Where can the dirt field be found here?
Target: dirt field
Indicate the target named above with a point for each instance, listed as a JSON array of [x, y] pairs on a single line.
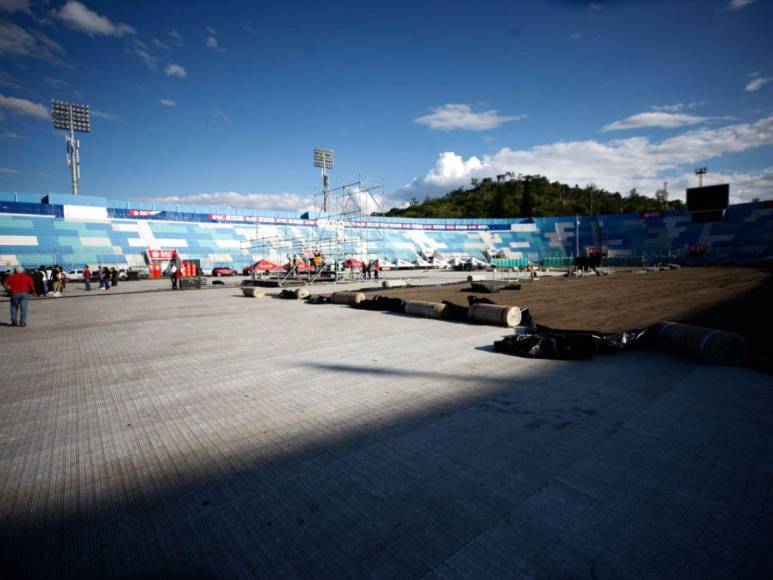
[[735, 299]]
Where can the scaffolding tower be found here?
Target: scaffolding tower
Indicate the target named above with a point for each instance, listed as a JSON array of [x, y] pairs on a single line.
[[338, 239]]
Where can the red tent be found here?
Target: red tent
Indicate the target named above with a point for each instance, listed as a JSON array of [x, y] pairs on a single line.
[[300, 266], [353, 263], [264, 265]]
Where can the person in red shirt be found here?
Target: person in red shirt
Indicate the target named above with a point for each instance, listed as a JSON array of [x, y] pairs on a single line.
[[87, 278], [19, 285]]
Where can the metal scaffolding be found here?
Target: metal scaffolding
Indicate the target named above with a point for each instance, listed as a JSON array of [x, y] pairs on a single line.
[[339, 237]]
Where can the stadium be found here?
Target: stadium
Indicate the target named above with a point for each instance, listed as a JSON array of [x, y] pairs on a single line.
[[557, 365], [77, 230]]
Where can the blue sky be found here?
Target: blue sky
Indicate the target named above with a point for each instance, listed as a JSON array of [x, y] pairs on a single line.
[[224, 102]]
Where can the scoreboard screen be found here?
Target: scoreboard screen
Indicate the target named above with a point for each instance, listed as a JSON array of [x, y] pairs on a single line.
[[709, 198]]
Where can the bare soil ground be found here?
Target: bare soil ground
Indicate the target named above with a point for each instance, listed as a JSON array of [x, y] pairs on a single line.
[[727, 298]]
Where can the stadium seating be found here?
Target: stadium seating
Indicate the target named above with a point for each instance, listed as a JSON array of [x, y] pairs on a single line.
[[73, 231]]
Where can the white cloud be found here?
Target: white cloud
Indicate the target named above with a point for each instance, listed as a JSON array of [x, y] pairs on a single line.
[[176, 37], [11, 135], [460, 116], [103, 115], [23, 107], [656, 119], [7, 170], [757, 83], [575, 36], [175, 70], [285, 201], [17, 41], [167, 102], [452, 168], [79, 17], [738, 4], [139, 49], [159, 44], [676, 107], [616, 165], [220, 116], [212, 42], [15, 5]]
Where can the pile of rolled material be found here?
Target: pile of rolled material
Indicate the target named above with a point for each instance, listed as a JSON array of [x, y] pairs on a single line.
[[494, 314], [394, 283], [253, 292], [712, 346], [350, 298], [424, 309]]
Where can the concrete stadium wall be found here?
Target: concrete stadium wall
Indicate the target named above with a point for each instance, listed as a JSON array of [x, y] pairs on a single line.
[[73, 231]]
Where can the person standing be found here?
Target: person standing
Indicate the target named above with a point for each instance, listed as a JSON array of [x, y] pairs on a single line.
[[40, 282], [56, 284], [173, 276], [105, 278], [178, 275], [19, 285], [376, 268], [87, 278], [113, 277]]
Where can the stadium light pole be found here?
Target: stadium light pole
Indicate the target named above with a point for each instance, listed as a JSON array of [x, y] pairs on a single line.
[[324, 159], [72, 117], [577, 236], [700, 172]]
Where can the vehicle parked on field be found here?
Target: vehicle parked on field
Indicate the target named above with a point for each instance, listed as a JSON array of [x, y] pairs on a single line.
[[224, 271]]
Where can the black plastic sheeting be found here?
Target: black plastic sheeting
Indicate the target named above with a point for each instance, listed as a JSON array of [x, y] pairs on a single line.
[[537, 341], [288, 294], [383, 303], [317, 299]]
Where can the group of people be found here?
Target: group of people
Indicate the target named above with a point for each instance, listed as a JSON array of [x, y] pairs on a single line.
[[371, 269], [46, 280], [107, 277]]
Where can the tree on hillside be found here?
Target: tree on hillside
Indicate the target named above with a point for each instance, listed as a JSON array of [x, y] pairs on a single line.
[[528, 196], [527, 204]]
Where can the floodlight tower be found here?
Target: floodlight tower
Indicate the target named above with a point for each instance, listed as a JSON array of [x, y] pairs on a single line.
[[700, 172], [324, 159], [72, 118]]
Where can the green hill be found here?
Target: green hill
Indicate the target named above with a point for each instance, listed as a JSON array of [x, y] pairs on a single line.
[[528, 196]]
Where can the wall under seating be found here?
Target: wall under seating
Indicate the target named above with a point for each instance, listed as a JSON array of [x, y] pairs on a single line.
[[73, 231]]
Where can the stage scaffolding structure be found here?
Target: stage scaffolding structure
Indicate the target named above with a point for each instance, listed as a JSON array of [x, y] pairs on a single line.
[[339, 236]]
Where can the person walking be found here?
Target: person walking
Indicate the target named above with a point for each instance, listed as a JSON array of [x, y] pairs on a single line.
[[87, 278], [173, 276], [178, 275], [376, 268], [105, 278], [19, 285], [113, 277]]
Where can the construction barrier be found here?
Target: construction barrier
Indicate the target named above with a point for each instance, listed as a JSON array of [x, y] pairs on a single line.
[[494, 314], [713, 346]]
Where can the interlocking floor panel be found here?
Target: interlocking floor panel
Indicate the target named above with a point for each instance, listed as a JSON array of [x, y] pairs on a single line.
[[201, 433]]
